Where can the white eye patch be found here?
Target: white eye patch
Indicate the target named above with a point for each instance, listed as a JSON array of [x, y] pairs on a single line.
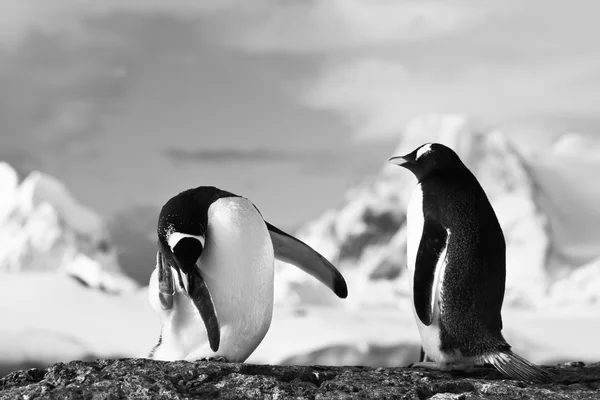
[[175, 237], [423, 150]]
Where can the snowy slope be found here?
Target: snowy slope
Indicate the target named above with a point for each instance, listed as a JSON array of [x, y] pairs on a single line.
[[43, 228], [541, 213], [61, 320]]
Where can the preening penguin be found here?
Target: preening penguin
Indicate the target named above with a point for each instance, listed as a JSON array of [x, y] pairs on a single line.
[[456, 257], [213, 282]]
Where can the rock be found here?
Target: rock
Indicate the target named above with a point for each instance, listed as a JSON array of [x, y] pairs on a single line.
[[149, 379]]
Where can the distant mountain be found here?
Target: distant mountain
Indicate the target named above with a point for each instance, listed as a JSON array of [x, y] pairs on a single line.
[[42, 228], [133, 231], [549, 233]]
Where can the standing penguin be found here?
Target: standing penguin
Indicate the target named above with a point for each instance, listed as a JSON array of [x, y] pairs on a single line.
[[213, 283], [456, 257]]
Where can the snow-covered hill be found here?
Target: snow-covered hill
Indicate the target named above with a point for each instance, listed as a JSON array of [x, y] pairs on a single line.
[[550, 220], [42, 228]]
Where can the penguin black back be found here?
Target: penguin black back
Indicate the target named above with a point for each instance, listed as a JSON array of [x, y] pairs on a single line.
[[457, 214], [454, 201]]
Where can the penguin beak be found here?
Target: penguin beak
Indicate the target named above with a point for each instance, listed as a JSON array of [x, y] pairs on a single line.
[[402, 161], [186, 254]]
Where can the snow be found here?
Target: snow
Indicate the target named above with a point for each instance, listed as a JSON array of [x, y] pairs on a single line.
[[580, 289], [577, 146], [49, 317], [42, 227], [39, 188], [569, 192], [544, 337]]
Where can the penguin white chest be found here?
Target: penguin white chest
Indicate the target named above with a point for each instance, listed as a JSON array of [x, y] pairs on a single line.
[[237, 266], [239, 274], [430, 334]]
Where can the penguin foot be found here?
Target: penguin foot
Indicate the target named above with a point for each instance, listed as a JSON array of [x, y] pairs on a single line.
[[443, 366], [213, 359]]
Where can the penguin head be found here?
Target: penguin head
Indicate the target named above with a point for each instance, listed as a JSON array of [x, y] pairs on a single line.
[[428, 159], [183, 253], [182, 235]]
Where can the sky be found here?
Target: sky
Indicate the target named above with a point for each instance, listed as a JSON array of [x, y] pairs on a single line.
[[286, 102]]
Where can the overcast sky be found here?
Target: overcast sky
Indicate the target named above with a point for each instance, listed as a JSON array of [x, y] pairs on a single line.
[[285, 102]]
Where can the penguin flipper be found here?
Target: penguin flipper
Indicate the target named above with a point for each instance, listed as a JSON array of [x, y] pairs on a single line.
[[202, 299], [433, 241], [516, 367], [294, 251]]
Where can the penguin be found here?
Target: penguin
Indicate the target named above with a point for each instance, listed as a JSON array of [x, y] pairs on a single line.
[[456, 256], [212, 286]]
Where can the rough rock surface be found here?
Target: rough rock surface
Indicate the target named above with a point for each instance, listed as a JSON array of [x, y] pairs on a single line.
[[148, 379]]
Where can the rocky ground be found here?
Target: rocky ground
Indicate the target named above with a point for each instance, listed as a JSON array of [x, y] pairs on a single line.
[[148, 379]]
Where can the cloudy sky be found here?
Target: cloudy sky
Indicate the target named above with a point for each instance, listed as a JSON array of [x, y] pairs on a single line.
[[287, 102]]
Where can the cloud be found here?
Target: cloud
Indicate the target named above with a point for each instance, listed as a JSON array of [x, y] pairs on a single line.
[[56, 96], [260, 25], [19, 18], [379, 63], [364, 92], [382, 63], [377, 96], [305, 27], [256, 155]]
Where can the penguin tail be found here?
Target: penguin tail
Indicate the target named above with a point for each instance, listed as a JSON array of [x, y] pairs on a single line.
[[516, 367]]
